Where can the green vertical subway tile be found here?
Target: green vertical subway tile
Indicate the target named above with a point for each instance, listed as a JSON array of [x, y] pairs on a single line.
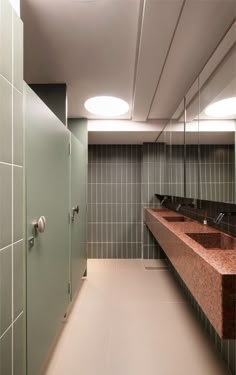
[[17, 128], [5, 120], [232, 356], [225, 350], [6, 353], [18, 52], [6, 39], [19, 346], [17, 203], [5, 289], [18, 272], [5, 205]]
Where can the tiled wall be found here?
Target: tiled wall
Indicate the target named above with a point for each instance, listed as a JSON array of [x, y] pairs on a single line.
[[114, 201], [192, 171], [11, 193], [153, 181], [217, 173], [175, 169], [212, 165], [107, 169]]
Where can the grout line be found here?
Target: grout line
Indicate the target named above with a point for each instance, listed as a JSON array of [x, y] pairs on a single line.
[[13, 243], [8, 328], [5, 79], [11, 164], [5, 247], [12, 208], [11, 83], [11, 325], [16, 242]]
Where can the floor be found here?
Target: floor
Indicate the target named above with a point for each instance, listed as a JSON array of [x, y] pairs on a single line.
[[131, 318]]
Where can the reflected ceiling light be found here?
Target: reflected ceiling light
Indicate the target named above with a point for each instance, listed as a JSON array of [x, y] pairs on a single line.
[[106, 106], [225, 107]]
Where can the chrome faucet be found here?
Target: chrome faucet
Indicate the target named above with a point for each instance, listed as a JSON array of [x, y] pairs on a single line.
[[188, 205], [222, 214]]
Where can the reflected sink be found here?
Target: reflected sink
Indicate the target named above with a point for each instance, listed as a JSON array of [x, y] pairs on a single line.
[[214, 240], [158, 209], [176, 219]]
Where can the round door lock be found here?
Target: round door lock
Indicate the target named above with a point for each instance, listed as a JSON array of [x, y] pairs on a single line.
[[40, 224]]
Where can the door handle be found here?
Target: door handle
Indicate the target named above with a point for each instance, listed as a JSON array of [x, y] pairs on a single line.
[[75, 210], [40, 224]]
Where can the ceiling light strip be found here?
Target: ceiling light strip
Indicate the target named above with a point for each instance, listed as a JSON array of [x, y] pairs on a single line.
[[142, 8]]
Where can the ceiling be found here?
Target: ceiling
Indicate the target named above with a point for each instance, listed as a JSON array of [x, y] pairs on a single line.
[[147, 52]]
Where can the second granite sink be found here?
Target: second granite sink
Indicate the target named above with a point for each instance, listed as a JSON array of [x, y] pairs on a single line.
[[214, 240], [176, 219]]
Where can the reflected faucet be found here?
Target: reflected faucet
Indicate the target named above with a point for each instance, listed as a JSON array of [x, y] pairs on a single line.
[[178, 207], [163, 200], [222, 214]]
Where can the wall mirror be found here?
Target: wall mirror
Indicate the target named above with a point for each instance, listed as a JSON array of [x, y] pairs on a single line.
[[211, 112], [164, 141], [177, 153], [217, 119], [199, 140], [192, 142]]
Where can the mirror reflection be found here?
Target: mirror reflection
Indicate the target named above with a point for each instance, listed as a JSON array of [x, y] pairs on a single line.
[[217, 119], [199, 140]]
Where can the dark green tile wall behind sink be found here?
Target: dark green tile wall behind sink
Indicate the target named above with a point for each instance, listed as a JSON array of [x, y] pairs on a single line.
[[114, 201], [122, 179]]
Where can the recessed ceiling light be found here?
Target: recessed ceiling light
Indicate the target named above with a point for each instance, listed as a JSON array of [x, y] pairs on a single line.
[[106, 106], [225, 107]]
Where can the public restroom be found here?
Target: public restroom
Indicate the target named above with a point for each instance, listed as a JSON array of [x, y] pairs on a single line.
[[117, 187]]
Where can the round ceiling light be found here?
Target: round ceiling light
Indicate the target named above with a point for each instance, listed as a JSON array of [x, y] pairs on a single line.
[[222, 108], [106, 106]]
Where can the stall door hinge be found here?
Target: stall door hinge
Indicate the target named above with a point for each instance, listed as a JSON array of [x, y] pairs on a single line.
[[69, 148], [69, 288]]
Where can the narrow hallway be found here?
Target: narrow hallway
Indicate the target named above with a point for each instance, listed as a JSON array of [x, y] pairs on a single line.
[[132, 319]]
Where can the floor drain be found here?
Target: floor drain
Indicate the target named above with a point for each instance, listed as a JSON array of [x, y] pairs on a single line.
[[156, 268]]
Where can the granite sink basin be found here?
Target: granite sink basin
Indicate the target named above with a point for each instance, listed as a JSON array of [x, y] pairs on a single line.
[[176, 219], [218, 241]]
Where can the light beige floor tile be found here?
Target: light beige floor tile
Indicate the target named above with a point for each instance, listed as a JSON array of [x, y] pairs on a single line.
[[130, 321], [154, 263]]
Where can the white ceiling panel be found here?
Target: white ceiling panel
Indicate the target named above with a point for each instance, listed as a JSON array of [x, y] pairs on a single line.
[[147, 52], [123, 132], [159, 22], [120, 137], [201, 26], [90, 45]]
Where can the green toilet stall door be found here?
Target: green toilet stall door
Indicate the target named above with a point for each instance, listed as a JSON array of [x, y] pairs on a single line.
[[56, 214], [47, 192]]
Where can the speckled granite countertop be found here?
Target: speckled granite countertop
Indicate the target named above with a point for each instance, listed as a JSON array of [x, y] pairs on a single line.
[[223, 260], [209, 273]]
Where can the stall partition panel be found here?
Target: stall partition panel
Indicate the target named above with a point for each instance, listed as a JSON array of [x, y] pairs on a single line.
[[78, 198]]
